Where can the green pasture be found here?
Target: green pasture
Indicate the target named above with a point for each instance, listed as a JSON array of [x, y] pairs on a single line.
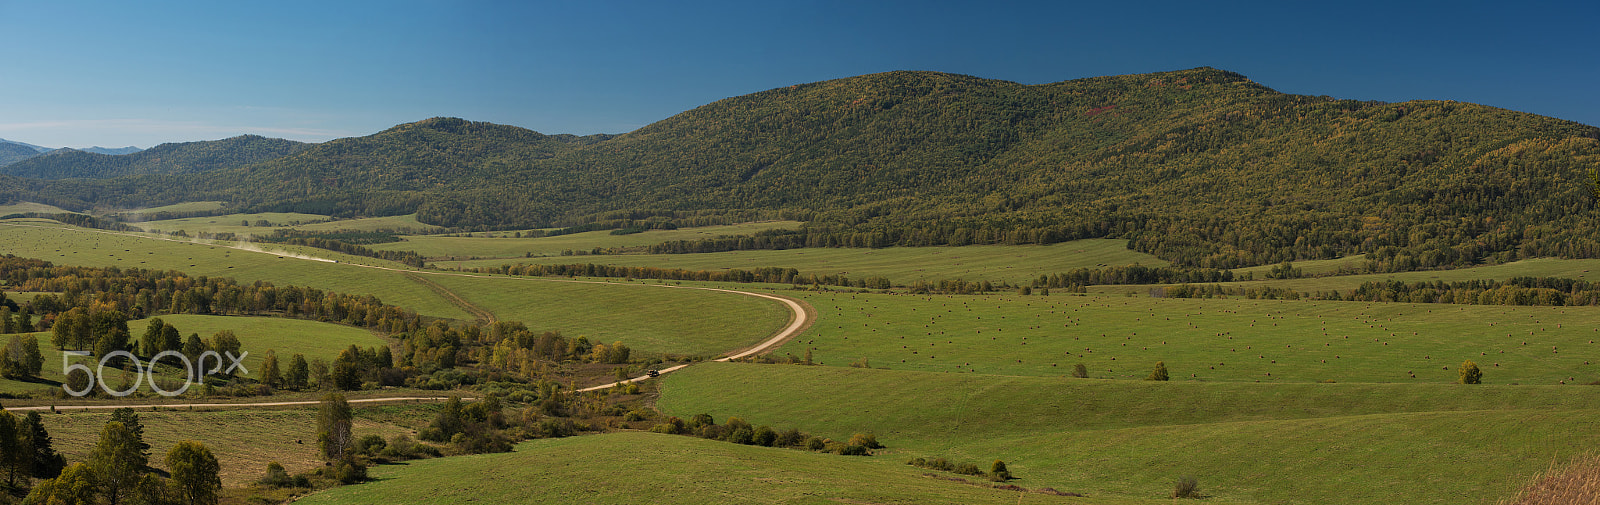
[[178, 207], [24, 207], [1537, 267], [503, 244], [79, 246], [244, 440], [1203, 339], [650, 319], [647, 316], [234, 223], [1244, 442], [1018, 264], [256, 335], [631, 468]]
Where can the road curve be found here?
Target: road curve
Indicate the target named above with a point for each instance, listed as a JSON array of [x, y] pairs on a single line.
[[801, 317]]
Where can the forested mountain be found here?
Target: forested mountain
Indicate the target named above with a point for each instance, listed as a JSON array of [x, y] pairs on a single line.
[[1201, 167], [12, 152], [114, 151], [177, 158]]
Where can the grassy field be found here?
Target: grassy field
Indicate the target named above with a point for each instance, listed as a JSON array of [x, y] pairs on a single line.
[[635, 467], [648, 319], [178, 207], [1015, 264], [256, 335], [1245, 442], [234, 223], [502, 245], [243, 440], [22, 207], [644, 315], [1204, 340], [78, 246]]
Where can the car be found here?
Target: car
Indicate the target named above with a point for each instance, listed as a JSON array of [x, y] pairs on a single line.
[[653, 373]]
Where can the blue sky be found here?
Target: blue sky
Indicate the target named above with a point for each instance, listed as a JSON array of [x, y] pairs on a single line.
[[112, 74]]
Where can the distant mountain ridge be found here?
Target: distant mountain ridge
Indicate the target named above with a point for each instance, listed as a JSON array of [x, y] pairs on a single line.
[[1201, 167], [164, 159], [113, 151]]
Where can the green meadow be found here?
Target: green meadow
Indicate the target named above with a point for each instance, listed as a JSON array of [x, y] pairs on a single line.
[[647, 316], [1203, 339], [1015, 264], [256, 335], [1244, 442], [235, 224], [630, 468], [648, 319], [244, 440], [22, 207], [505, 244]]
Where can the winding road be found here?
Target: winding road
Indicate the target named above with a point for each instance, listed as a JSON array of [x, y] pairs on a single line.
[[801, 317]]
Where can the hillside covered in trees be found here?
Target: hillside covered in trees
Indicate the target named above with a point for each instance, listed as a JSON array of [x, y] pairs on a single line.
[[1202, 167], [178, 158]]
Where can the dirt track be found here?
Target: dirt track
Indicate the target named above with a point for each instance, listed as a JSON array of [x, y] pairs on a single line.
[[801, 317]]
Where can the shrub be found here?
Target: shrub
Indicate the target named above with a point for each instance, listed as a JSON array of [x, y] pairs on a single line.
[[998, 472], [370, 444], [853, 450], [1470, 373], [735, 423], [743, 436], [815, 444], [968, 469], [765, 437], [276, 476], [1187, 487], [635, 415], [1159, 374], [790, 438], [867, 440], [1080, 371], [701, 420]]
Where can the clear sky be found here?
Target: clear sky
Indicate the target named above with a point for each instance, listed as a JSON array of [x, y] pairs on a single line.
[[117, 73]]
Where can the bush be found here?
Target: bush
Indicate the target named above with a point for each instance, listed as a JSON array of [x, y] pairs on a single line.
[[867, 440], [853, 450], [742, 436], [765, 437], [1470, 374], [1159, 374], [636, 415], [790, 438], [1080, 371], [276, 476], [815, 444], [370, 444], [968, 469], [1187, 487], [998, 472]]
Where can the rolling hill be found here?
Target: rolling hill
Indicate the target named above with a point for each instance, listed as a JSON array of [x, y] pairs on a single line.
[[177, 158], [1200, 167]]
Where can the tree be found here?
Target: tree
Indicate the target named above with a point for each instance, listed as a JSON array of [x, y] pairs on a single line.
[[75, 486], [346, 370], [1470, 374], [151, 342], [193, 346], [11, 450], [130, 420], [46, 462], [117, 462], [334, 434], [270, 375], [1159, 374], [299, 372], [194, 473]]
